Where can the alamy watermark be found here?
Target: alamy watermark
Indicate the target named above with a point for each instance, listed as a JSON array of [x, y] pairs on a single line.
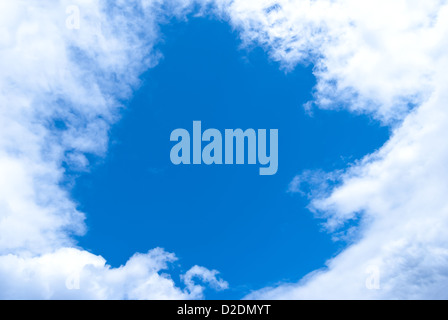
[[234, 151], [73, 281], [373, 280], [73, 21]]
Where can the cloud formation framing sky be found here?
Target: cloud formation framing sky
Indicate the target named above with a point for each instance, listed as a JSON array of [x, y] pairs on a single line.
[[62, 90]]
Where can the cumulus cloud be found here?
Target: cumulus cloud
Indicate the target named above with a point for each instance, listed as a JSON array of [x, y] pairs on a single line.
[[207, 276], [55, 75], [385, 59], [69, 273], [368, 56], [67, 66]]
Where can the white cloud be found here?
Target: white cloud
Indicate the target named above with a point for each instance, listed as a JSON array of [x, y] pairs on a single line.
[[59, 94], [70, 273], [371, 56], [377, 57], [207, 276]]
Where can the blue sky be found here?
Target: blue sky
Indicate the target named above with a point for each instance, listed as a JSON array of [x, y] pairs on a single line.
[[227, 218]]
